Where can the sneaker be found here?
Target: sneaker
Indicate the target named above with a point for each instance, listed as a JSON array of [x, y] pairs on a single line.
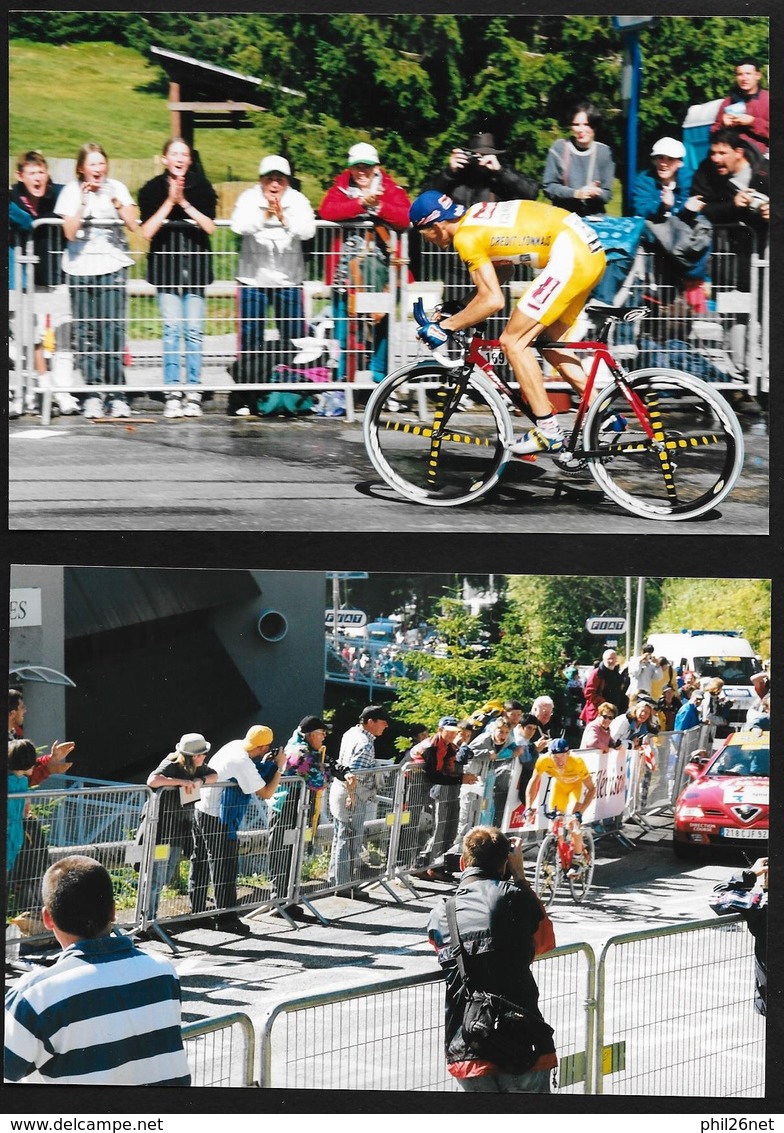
[[67, 403], [243, 411], [192, 408], [173, 407], [119, 407], [615, 423], [534, 440], [93, 407]]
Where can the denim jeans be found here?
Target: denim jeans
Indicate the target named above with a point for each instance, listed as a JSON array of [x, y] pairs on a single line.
[[259, 357], [183, 318], [162, 873], [98, 305]]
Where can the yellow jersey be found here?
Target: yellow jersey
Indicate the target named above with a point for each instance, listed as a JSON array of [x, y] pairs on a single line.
[[567, 781], [516, 232]]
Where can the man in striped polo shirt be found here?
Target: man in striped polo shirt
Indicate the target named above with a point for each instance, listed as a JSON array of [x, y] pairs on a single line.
[[106, 1013]]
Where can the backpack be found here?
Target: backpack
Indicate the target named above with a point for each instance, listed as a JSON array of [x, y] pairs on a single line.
[[293, 403]]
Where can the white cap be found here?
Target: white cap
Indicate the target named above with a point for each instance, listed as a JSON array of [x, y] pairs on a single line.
[[274, 163], [669, 147], [363, 154]]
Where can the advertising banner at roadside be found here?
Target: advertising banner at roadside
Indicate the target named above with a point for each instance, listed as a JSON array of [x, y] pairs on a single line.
[[609, 773]]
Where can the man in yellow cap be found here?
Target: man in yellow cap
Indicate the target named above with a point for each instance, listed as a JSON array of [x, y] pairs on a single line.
[[215, 850]]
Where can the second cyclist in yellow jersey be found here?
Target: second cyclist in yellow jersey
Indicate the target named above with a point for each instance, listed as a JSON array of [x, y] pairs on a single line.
[[490, 238]]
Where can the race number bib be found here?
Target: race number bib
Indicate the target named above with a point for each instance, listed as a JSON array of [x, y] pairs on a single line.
[[584, 231]]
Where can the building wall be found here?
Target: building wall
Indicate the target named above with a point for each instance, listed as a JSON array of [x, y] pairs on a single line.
[[41, 645], [140, 686]]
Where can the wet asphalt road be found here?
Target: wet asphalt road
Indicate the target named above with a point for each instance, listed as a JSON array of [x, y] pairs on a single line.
[[222, 474]]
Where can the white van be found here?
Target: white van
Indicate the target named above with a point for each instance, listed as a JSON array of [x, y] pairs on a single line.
[[713, 653]]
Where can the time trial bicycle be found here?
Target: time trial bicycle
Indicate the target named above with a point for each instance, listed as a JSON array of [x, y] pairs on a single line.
[[556, 861], [658, 442]]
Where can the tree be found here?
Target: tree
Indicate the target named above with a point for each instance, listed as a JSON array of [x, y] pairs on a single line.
[[709, 603]]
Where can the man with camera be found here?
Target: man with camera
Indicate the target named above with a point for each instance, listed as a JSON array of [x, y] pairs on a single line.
[[215, 842], [732, 187], [496, 909], [475, 174]]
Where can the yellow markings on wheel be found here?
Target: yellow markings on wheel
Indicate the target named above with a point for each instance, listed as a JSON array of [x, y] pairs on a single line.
[[427, 431]]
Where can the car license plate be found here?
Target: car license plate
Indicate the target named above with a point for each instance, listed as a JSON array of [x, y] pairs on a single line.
[[731, 832]]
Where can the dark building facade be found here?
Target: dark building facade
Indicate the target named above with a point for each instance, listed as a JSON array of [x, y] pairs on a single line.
[[154, 653]]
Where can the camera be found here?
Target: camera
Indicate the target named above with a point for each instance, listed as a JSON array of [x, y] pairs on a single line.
[[756, 201], [471, 157]]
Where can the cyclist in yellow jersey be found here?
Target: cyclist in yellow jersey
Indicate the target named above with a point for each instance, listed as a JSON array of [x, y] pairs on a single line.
[[573, 787], [491, 237]]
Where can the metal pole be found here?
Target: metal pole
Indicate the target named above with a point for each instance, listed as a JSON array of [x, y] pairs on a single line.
[[628, 617], [632, 40], [640, 613]]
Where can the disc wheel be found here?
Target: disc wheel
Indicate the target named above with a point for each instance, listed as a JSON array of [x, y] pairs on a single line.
[[548, 871], [693, 460], [420, 459], [581, 883]]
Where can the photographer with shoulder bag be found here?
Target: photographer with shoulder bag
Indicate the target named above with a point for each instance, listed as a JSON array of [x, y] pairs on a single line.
[[747, 893], [487, 936]]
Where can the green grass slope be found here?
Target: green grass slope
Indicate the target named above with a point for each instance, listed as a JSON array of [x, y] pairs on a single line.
[[64, 95]]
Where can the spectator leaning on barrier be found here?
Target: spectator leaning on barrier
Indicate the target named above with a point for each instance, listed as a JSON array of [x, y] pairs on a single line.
[[94, 208], [177, 211], [446, 776], [732, 187], [747, 107], [689, 713], [507, 926], [597, 733], [21, 760], [351, 792], [106, 1013], [273, 220], [33, 198], [660, 194], [305, 761], [358, 261], [184, 769], [33, 857], [218, 814]]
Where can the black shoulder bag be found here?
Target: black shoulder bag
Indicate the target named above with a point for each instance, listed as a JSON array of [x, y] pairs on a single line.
[[494, 1028]]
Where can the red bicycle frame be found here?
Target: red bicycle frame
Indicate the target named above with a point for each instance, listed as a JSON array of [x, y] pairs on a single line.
[[600, 352]]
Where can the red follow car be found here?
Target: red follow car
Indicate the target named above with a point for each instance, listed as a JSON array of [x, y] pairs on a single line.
[[726, 802]]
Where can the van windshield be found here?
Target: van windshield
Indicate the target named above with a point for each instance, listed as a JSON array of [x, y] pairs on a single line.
[[732, 670]]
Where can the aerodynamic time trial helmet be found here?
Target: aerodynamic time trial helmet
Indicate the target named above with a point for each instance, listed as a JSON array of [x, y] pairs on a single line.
[[432, 206]]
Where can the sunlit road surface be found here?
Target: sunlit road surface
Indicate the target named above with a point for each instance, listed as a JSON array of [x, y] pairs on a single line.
[[217, 474]]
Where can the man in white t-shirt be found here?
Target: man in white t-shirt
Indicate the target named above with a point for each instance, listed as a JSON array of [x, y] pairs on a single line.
[[218, 813]]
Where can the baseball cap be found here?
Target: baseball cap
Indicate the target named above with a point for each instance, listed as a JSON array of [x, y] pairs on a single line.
[[448, 722], [433, 206], [258, 735], [193, 743], [311, 724], [669, 147], [363, 154], [557, 747], [274, 163]]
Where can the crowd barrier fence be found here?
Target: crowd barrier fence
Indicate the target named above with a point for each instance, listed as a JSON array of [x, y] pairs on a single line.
[[221, 1052], [665, 1012], [289, 850], [350, 328]]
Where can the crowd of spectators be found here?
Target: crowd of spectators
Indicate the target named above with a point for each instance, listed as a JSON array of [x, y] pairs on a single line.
[[85, 265]]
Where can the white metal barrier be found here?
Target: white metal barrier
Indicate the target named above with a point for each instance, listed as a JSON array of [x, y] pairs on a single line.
[[349, 330]]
